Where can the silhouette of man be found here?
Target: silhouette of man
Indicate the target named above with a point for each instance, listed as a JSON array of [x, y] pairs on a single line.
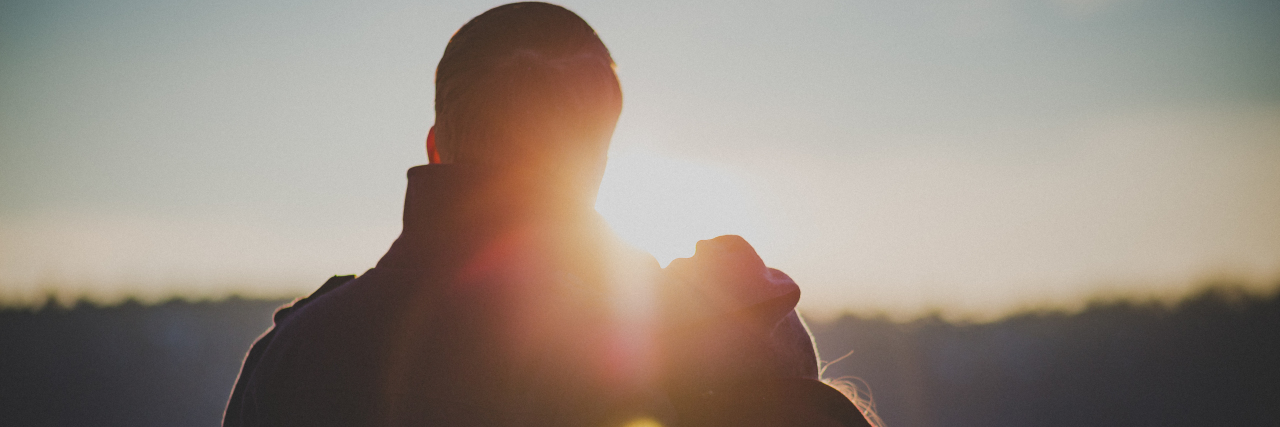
[[506, 301]]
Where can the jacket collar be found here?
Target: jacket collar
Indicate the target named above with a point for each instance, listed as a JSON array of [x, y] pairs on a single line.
[[453, 212]]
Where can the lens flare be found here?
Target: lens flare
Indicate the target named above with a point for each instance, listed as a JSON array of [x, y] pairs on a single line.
[[643, 422], [665, 205]]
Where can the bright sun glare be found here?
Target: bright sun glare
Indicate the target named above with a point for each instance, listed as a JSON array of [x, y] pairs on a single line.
[[664, 205]]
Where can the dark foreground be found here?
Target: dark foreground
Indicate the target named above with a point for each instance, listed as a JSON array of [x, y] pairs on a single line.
[[1213, 359]]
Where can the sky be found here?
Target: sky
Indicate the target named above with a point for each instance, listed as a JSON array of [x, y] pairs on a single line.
[[969, 156]]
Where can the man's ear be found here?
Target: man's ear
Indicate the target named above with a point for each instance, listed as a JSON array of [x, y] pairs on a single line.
[[433, 156]]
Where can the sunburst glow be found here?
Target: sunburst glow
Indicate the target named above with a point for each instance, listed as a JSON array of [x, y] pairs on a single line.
[[665, 205]]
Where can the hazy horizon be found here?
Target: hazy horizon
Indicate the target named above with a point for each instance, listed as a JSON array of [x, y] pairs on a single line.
[[974, 156]]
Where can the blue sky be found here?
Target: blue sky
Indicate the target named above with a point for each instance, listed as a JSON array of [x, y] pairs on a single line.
[[969, 155]]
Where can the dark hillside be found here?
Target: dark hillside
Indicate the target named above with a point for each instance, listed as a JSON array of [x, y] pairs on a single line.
[[1210, 360], [1214, 359], [171, 364]]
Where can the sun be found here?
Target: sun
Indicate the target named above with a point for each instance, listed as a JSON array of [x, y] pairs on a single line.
[[664, 205]]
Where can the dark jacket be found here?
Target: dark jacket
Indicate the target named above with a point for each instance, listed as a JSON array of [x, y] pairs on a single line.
[[497, 306]]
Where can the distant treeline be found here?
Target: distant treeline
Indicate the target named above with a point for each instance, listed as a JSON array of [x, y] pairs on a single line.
[[170, 364], [1211, 359]]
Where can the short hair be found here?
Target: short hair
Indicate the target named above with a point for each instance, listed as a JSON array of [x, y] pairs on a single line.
[[525, 79]]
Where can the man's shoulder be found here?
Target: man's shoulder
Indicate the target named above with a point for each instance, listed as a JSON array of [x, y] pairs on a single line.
[[345, 301], [348, 320], [329, 285]]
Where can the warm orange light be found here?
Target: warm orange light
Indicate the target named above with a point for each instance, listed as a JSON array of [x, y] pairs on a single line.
[[665, 205], [643, 422]]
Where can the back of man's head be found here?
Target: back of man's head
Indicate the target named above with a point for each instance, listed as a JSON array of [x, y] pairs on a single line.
[[526, 83]]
